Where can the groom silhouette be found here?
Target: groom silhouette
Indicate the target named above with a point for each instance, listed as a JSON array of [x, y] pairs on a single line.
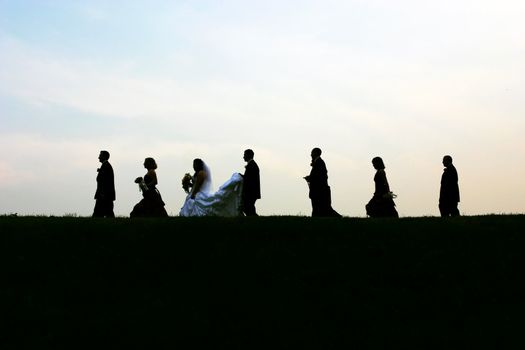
[[449, 191], [319, 191], [251, 189], [105, 194]]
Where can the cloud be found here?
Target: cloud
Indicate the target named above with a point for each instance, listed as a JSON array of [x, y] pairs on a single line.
[[40, 77], [96, 14]]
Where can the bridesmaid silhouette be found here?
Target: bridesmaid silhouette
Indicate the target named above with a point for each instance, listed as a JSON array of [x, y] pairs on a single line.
[[382, 203], [151, 204]]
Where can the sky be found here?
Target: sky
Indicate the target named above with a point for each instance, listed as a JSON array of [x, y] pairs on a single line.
[[407, 80]]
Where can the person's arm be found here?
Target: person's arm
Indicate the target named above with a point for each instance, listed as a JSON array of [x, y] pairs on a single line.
[[101, 182], [199, 180], [385, 188], [311, 177], [109, 183], [319, 175]]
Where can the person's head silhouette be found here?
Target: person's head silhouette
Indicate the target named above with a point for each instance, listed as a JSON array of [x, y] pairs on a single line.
[[447, 161], [103, 156], [198, 165], [150, 164], [248, 155], [316, 153], [378, 164]]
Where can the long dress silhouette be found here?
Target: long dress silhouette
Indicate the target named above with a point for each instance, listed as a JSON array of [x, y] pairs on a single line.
[[382, 203], [151, 205], [202, 201]]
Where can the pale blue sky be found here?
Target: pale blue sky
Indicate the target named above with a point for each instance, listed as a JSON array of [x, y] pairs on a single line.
[[407, 80]]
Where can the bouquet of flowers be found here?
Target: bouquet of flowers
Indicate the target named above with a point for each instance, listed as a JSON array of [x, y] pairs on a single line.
[[187, 182], [142, 185], [390, 195]]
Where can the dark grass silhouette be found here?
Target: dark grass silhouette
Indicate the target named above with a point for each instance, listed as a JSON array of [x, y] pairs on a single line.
[[260, 282]]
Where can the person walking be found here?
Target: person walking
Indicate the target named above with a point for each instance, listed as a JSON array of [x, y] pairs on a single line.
[[319, 191], [105, 194], [251, 189], [449, 191], [382, 202]]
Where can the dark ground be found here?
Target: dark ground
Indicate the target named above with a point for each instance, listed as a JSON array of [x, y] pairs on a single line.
[[272, 282]]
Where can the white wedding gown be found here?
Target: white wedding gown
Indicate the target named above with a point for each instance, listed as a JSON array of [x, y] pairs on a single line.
[[225, 202]]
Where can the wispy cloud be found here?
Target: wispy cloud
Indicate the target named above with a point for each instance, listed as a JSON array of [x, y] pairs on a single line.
[[95, 13]]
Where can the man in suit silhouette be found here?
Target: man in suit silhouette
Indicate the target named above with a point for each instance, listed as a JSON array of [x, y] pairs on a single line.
[[319, 193], [105, 194], [449, 192], [251, 190]]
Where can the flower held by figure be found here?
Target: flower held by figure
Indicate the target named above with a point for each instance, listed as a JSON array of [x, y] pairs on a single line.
[[390, 195], [142, 185], [187, 182]]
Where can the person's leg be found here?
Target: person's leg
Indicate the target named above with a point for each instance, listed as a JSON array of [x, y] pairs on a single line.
[[448, 209], [454, 211], [249, 207], [98, 211], [325, 205], [108, 209], [316, 210], [443, 210]]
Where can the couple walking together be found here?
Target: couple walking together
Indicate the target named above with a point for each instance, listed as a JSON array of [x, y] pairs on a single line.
[[235, 197]]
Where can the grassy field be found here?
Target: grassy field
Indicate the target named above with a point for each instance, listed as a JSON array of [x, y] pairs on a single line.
[[279, 282]]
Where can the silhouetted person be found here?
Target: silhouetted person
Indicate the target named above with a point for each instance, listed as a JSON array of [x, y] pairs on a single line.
[[203, 201], [251, 190], [382, 203], [449, 192], [319, 190], [105, 194], [152, 204]]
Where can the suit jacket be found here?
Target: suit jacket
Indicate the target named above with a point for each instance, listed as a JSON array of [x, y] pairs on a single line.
[[252, 182], [105, 182], [449, 192], [318, 179]]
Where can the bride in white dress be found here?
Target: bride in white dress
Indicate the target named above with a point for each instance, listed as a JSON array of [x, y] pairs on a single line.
[[202, 202]]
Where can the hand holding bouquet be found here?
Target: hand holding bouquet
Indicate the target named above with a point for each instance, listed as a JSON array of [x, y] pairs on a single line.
[[187, 182], [142, 185], [390, 195]]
